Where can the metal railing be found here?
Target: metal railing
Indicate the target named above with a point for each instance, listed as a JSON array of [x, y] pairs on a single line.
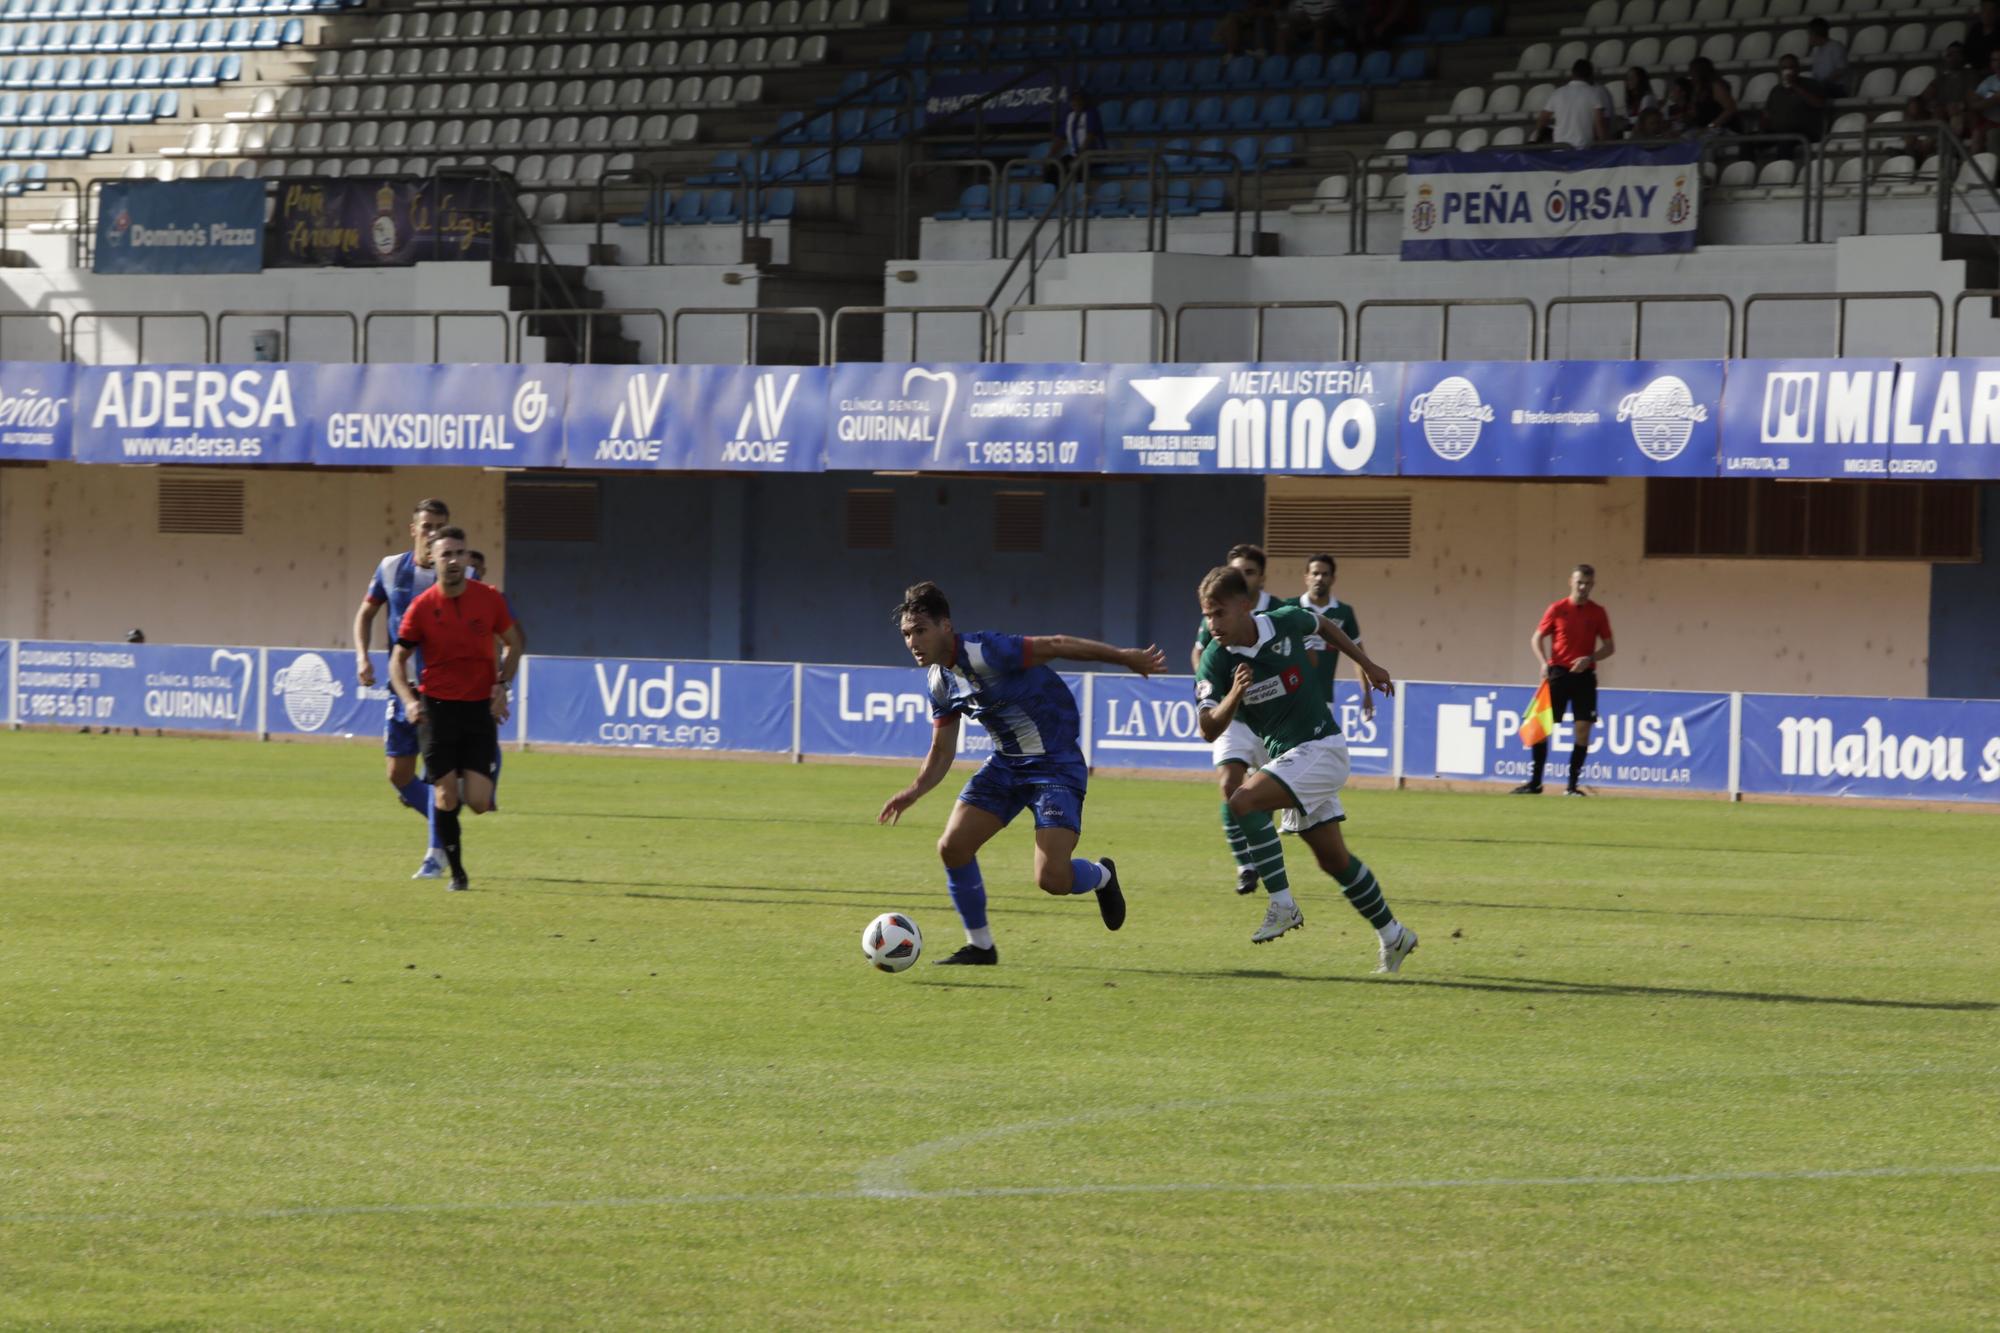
[[884, 312], [750, 315], [1444, 306], [1988, 294], [587, 318], [285, 320], [995, 201], [83, 238], [1083, 310], [140, 318], [44, 318], [1639, 304], [1841, 300], [1257, 310], [437, 318]]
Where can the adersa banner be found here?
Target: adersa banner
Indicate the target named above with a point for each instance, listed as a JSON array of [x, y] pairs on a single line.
[[1153, 722], [1664, 740], [1560, 418], [1927, 749], [967, 417], [1333, 419], [167, 686], [194, 414], [35, 409], [468, 415], [654, 705], [204, 226]]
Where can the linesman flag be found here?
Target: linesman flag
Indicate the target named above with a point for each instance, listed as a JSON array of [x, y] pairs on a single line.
[[1539, 719]]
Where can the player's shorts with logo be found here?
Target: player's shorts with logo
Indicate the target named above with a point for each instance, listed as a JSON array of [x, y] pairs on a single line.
[[459, 735], [1573, 690], [1239, 745], [1004, 790], [1313, 773]]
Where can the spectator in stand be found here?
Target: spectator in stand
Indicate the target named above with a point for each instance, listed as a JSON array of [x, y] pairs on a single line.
[[1251, 27], [1679, 110], [1574, 114], [1714, 109], [1322, 22], [1652, 125], [1828, 60], [1986, 104], [1636, 96], [1078, 129], [1948, 99], [1984, 37], [1387, 22], [1794, 106]]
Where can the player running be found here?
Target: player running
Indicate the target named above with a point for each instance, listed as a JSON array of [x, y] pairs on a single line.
[[1003, 682], [398, 580], [1253, 841], [1260, 669], [464, 698], [1318, 598]]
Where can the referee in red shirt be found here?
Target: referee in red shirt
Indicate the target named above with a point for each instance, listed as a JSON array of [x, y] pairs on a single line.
[[1573, 637], [464, 696]]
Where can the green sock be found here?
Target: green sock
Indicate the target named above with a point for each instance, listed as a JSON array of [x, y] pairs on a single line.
[[1261, 850], [1364, 893], [1239, 845]]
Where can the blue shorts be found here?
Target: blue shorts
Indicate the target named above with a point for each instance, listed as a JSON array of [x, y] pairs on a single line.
[[998, 791], [399, 738]]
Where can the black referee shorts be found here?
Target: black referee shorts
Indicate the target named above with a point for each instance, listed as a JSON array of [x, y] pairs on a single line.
[[458, 735], [1567, 690]]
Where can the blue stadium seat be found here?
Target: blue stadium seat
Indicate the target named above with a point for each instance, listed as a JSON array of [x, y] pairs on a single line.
[[160, 106], [100, 141], [97, 72], [1240, 72], [1174, 156], [148, 75], [1108, 39], [1309, 70], [1208, 197], [175, 71], [721, 168], [1171, 35], [1344, 68], [1141, 116], [35, 176], [292, 33], [1208, 113], [1113, 116], [851, 124], [1201, 35], [1281, 150], [85, 108], [34, 108], [1311, 112], [1274, 72], [45, 73], [1177, 114], [1031, 202], [1478, 22], [791, 125], [45, 141], [1246, 150], [1276, 112], [722, 206], [74, 143], [1440, 25], [58, 110], [1378, 68], [1105, 80], [780, 204], [1139, 37], [1412, 66], [971, 197], [847, 163], [1347, 108], [820, 129], [784, 165], [1107, 200], [1206, 75], [690, 209], [1243, 113], [1172, 76]]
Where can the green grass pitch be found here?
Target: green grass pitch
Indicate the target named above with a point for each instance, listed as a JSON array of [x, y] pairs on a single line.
[[1657, 1064]]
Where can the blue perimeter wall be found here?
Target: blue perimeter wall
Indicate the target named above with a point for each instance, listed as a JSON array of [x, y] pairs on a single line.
[[756, 568], [1965, 615]]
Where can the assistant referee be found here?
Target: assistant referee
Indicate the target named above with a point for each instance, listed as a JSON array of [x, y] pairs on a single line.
[[464, 695], [1573, 637]]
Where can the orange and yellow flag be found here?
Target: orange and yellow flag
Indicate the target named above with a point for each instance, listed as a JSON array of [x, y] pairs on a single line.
[[1539, 719]]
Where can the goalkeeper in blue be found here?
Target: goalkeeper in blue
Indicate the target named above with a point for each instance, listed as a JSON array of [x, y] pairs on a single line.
[[1003, 682]]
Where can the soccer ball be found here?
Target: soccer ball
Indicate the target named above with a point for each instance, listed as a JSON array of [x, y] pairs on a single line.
[[892, 942]]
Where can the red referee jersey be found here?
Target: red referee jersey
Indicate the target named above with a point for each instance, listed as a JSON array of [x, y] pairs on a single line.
[[455, 635], [1576, 627]]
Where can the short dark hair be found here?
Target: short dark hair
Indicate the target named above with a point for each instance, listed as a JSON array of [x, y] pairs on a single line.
[[477, 558], [1582, 70], [448, 534], [1590, 570], [922, 599], [1245, 551], [1323, 559], [1224, 581], [432, 505], [1816, 26]]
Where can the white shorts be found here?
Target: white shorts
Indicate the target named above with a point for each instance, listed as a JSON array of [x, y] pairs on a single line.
[[1239, 745], [1314, 773]]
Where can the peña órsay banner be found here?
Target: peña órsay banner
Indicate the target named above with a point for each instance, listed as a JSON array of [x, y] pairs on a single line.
[[1552, 204]]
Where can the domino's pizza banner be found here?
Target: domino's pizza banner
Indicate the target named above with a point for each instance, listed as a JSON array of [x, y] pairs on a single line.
[[1552, 205], [1656, 739], [1941, 749], [1861, 418], [1660, 740], [1152, 722]]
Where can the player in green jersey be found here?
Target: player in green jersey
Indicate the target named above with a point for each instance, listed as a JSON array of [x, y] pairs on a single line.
[[1253, 841], [1260, 669]]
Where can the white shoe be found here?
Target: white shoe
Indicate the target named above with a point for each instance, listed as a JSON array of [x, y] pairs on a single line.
[[1392, 955], [432, 868], [1277, 920]]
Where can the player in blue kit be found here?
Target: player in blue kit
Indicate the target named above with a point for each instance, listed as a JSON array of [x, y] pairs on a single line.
[[397, 582], [1003, 682]]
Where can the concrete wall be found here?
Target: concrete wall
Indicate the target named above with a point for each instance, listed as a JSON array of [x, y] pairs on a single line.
[[81, 556], [1488, 557]]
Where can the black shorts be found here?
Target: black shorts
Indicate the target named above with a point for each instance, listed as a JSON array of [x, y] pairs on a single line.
[[1573, 690], [458, 735]]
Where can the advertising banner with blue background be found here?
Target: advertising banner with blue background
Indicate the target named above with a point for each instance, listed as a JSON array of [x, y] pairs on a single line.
[[1945, 421], [1665, 740], [1556, 204], [35, 409], [758, 418], [967, 417], [1333, 419], [169, 686], [656, 705], [880, 712], [204, 226], [1151, 722], [1015, 99], [1808, 418], [467, 415], [1936, 749], [1560, 418], [194, 414], [6, 680], [313, 692]]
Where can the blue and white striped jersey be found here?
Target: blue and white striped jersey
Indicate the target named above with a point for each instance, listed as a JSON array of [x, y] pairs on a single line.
[[1027, 709]]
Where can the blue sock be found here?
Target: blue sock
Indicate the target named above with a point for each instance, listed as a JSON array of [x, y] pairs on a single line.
[[417, 796], [1087, 876], [968, 893]]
